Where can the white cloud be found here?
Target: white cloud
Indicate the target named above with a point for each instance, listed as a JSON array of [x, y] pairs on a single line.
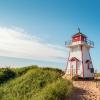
[[15, 42]]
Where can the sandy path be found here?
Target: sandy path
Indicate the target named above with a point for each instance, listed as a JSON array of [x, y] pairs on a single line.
[[85, 90]]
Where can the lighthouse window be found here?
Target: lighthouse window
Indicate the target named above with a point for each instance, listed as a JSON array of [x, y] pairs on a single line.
[[92, 70]]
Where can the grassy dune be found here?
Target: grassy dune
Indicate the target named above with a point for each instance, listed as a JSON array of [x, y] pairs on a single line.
[[33, 83]]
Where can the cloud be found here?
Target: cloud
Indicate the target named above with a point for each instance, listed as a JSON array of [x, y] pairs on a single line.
[[15, 42]]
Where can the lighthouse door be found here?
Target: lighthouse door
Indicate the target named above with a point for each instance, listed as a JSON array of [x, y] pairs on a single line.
[[73, 68]]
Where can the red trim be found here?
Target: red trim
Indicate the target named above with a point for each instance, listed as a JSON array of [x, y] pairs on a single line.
[[82, 60], [74, 59]]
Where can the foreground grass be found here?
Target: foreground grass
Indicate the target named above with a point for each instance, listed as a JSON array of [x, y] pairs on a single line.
[[33, 83]]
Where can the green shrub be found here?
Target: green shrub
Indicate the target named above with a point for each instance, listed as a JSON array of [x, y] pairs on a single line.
[[6, 74]]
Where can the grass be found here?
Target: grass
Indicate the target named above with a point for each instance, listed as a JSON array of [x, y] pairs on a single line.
[[34, 83], [58, 90], [98, 75]]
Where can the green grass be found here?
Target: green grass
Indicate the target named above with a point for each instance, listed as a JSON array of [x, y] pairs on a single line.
[[98, 75], [58, 90], [34, 83]]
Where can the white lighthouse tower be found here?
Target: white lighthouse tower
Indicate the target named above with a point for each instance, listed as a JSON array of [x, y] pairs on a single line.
[[79, 61]]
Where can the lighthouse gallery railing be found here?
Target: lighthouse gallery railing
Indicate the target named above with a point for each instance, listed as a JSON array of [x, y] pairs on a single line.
[[88, 42]]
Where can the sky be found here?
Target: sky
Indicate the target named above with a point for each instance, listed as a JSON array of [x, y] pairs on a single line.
[[34, 31]]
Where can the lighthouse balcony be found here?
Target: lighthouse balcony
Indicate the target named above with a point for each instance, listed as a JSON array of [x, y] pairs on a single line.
[[87, 43]]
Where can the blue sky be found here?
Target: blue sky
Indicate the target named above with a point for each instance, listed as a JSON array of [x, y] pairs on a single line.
[[47, 23]]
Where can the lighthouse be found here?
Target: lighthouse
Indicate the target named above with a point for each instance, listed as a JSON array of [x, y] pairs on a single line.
[[79, 62]]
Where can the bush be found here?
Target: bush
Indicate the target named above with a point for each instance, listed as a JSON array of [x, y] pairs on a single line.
[[6, 74]]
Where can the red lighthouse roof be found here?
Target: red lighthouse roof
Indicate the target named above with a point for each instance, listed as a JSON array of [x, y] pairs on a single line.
[[79, 34]]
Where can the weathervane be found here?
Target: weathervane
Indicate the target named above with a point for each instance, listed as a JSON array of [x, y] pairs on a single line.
[[78, 29]]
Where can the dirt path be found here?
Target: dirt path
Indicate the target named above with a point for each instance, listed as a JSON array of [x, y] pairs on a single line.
[[85, 90]]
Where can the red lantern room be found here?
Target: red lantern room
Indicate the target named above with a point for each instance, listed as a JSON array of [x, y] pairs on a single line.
[[79, 37]]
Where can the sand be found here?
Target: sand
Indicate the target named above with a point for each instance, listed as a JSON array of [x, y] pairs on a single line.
[[85, 90]]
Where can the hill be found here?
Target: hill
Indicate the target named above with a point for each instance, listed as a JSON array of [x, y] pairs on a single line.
[[33, 83]]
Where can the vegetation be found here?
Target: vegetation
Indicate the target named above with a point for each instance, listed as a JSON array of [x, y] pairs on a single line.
[[98, 75], [33, 83], [58, 90]]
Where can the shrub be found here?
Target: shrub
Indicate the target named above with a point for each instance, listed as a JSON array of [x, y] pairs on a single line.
[[6, 74]]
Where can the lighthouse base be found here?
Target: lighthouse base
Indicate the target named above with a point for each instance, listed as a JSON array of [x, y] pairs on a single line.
[[86, 78], [77, 77]]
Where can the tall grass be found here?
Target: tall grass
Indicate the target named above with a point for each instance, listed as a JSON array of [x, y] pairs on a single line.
[[35, 83], [58, 90], [98, 75]]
